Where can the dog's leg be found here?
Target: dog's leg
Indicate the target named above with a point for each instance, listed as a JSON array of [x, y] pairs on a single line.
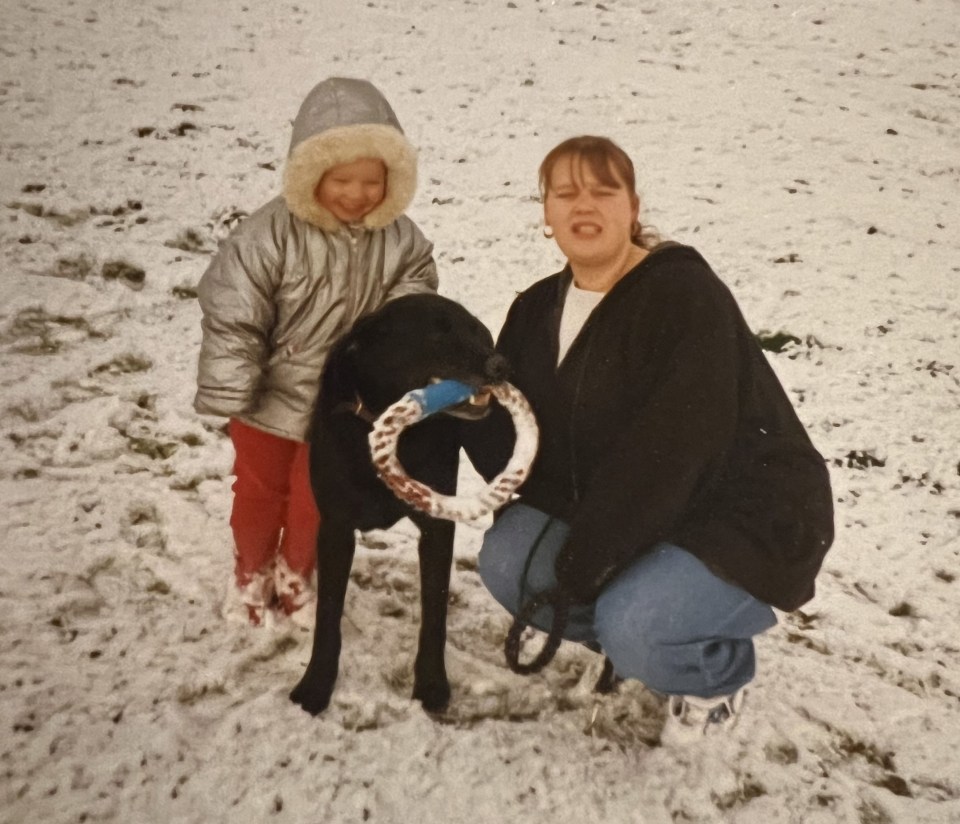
[[430, 685], [335, 550]]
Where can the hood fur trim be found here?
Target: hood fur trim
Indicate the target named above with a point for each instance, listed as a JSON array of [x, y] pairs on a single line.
[[313, 157]]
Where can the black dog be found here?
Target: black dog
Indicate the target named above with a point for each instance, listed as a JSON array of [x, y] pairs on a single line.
[[405, 345]]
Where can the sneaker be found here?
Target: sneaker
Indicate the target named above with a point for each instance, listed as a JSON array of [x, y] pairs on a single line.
[[690, 718]]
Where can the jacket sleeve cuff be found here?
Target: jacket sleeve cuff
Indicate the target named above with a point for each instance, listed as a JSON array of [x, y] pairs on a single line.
[[224, 406]]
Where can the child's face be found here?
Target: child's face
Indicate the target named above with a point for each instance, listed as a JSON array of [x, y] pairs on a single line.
[[350, 191]]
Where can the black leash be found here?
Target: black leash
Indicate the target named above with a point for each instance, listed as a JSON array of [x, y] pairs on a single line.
[[511, 646]]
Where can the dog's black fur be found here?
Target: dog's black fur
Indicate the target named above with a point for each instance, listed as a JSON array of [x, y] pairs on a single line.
[[402, 346]]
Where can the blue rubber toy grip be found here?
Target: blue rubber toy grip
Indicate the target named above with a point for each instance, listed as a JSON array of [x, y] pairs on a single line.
[[438, 396]]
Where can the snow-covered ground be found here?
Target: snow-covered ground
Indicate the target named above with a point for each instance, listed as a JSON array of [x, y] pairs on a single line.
[[811, 151]]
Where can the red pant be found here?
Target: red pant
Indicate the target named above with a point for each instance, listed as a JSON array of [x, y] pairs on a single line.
[[273, 507]]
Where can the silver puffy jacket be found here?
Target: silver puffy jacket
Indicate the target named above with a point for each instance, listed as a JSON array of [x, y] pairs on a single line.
[[291, 280]]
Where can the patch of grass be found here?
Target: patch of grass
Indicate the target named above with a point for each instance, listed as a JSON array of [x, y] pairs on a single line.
[[77, 268], [123, 365], [183, 128], [157, 450], [776, 341], [784, 752], [34, 331], [872, 813], [859, 459], [62, 218], [903, 610], [748, 789], [870, 753], [188, 485], [809, 643], [127, 273], [189, 240]]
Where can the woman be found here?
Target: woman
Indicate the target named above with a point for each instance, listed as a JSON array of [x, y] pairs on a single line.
[[676, 496]]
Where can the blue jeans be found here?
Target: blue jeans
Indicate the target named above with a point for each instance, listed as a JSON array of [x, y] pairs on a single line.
[[666, 620]]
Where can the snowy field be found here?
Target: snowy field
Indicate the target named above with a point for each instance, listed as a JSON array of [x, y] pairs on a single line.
[[810, 151]]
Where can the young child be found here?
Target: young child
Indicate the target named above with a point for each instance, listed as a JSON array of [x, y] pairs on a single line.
[[282, 289]]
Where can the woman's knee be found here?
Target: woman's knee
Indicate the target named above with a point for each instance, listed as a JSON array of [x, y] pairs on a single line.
[[672, 624], [674, 662], [670, 597], [499, 573]]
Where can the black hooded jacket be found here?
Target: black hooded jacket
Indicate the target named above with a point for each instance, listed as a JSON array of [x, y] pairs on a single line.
[[664, 422]]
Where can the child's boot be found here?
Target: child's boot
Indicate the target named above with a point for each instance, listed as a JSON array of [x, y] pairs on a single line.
[[250, 598], [296, 594]]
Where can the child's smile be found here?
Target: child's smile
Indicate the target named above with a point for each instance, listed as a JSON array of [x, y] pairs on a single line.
[[350, 191]]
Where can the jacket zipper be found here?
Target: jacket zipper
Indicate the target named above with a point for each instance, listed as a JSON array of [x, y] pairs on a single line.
[[351, 272]]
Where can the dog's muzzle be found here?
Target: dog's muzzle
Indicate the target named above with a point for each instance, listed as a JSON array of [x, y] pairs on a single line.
[[453, 398]]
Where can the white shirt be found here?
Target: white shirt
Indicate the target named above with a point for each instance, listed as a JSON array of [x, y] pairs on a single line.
[[577, 307]]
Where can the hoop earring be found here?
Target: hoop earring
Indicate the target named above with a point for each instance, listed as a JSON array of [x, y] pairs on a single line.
[[548, 232]]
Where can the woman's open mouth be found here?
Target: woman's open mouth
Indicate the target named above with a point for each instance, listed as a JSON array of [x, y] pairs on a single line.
[[585, 229]]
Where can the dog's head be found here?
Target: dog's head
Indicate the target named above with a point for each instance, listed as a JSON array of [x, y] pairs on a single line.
[[409, 343]]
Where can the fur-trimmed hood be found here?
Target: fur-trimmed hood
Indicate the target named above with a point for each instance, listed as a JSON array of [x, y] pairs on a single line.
[[341, 120]]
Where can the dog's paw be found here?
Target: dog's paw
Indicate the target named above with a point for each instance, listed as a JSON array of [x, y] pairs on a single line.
[[434, 696], [311, 697]]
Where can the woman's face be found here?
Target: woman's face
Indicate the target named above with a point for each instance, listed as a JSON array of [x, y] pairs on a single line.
[[592, 221], [350, 191]]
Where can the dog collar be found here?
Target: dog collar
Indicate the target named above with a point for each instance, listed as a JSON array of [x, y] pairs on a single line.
[[356, 407]]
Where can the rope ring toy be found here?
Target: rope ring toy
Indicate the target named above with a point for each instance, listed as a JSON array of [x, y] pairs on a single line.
[[417, 405]]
